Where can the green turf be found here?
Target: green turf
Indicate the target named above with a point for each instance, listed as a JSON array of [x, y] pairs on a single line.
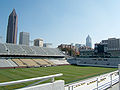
[[70, 74]]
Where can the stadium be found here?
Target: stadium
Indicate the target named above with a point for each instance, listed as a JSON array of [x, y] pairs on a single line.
[[34, 65], [16, 56], [21, 62]]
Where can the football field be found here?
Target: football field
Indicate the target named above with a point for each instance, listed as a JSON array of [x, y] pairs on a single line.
[[70, 74]]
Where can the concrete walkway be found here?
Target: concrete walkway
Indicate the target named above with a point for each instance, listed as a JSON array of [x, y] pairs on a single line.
[[115, 87]]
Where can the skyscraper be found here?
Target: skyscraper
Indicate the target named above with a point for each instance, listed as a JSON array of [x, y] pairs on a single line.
[[12, 28], [88, 41], [24, 38]]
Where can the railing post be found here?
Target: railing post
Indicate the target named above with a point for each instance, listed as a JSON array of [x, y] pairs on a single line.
[[72, 87], [111, 80], [97, 83], [119, 74], [69, 88], [52, 80]]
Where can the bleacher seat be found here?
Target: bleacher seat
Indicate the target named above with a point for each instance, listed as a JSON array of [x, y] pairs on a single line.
[[3, 49], [30, 62], [19, 62], [7, 63], [4, 63], [56, 51], [15, 49], [50, 62], [28, 50], [42, 62], [59, 62], [49, 51], [64, 62], [38, 50], [11, 63]]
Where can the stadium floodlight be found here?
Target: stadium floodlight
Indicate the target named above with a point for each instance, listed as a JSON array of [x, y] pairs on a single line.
[[32, 79]]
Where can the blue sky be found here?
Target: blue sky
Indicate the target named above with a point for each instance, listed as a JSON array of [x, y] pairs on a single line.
[[63, 21]]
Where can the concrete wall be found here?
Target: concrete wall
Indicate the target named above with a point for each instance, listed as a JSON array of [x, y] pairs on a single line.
[[57, 85]]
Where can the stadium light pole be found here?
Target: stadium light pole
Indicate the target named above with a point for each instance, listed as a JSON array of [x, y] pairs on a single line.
[[119, 74]]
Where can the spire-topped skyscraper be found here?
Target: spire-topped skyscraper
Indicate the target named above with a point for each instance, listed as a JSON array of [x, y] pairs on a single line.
[[88, 41], [12, 28]]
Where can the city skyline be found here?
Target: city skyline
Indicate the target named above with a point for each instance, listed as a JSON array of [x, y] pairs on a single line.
[[64, 21]]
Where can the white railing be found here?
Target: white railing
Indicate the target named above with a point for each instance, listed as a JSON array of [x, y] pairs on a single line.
[[101, 82], [32, 79], [107, 85]]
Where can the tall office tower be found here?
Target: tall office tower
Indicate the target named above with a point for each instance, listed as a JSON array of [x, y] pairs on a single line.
[[12, 28], [24, 38], [88, 41], [38, 42]]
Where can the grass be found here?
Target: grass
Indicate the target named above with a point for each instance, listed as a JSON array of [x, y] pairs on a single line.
[[70, 74]]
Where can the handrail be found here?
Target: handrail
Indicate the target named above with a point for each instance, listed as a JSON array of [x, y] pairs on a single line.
[[32, 79], [100, 87], [107, 85]]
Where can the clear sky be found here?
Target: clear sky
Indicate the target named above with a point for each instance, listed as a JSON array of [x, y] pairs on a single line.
[[63, 21]]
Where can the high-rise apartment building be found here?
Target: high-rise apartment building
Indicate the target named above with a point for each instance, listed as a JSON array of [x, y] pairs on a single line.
[[12, 28], [88, 41], [24, 38], [38, 42]]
